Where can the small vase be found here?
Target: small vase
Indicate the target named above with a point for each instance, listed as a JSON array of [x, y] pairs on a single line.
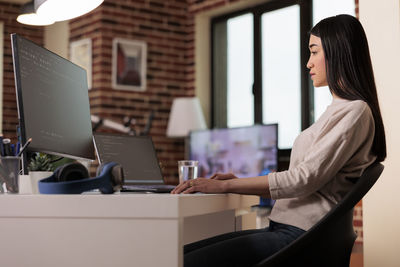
[[36, 176]]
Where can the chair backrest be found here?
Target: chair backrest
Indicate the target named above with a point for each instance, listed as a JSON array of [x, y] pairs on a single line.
[[330, 241]]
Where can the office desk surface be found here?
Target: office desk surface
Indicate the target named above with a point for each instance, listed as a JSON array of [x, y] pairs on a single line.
[[120, 205], [111, 230]]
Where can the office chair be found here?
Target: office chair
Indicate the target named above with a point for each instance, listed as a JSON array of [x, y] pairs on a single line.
[[328, 243]]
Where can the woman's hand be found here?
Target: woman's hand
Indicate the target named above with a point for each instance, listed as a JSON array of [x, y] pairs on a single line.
[[223, 176], [203, 185], [226, 183]]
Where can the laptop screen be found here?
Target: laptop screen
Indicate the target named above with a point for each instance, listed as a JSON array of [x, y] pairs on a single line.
[[136, 154]]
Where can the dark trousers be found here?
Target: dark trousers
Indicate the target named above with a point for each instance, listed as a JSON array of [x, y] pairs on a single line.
[[242, 248]]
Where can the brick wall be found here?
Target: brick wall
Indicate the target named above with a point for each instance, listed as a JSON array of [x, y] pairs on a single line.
[[163, 26], [8, 15]]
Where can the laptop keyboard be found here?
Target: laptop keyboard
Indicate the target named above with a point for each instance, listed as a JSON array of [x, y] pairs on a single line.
[[157, 188]]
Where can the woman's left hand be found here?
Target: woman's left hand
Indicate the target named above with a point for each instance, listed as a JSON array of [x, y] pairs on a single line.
[[203, 185]]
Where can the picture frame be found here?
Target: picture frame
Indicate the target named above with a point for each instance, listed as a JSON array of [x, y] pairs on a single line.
[[81, 54], [129, 64]]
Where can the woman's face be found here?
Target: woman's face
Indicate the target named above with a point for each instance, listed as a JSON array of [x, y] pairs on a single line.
[[316, 62]]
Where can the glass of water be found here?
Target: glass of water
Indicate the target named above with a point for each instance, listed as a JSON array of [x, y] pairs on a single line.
[[187, 170]]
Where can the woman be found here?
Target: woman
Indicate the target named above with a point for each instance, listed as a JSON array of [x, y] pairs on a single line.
[[345, 140]]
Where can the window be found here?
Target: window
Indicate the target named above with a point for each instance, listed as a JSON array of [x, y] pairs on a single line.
[[281, 72], [240, 106], [259, 74], [256, 67]]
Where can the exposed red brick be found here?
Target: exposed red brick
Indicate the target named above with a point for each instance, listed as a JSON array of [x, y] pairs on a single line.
[[9, 13]]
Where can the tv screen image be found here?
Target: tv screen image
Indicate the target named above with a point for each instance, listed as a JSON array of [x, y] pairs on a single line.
[[245, 151]]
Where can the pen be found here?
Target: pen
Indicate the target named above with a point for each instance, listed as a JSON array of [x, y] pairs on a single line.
[[7, 147], [18, 148], [1, 146], [24, 147], [12, 150]]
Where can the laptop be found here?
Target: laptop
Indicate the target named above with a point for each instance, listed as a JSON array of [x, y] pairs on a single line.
[[138, 158]]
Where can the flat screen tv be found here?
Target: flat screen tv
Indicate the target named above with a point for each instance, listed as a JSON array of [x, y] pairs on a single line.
[[53, 102], [245, 151]]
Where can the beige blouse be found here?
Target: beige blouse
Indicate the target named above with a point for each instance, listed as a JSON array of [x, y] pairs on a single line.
[[336, 148]]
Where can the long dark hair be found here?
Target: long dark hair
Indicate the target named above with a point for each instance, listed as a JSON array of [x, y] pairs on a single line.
[[349, 69]]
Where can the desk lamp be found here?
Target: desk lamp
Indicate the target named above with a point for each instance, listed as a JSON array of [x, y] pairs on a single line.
[[186, 115]]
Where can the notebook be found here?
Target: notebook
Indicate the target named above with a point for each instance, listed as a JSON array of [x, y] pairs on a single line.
[[138, 158]]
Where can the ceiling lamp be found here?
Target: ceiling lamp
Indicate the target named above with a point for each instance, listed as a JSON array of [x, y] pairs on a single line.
[[28, 16], [60, 10]]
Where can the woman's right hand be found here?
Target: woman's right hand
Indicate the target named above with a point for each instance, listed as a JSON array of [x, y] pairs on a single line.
[[223, 176]]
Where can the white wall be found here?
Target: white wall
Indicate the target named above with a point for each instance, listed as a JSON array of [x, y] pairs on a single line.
[[381, 207], [56, 38]]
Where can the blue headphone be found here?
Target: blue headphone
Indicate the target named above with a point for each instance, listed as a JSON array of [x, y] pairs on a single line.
[[72, 178]]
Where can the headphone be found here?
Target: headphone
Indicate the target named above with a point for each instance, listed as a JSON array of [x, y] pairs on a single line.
[[72, 178]]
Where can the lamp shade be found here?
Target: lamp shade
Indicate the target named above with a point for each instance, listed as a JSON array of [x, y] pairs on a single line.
[[60, 10], [28, 16], [186, 115]]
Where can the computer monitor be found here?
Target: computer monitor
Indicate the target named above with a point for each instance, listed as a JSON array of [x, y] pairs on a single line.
[[245, 151], [53, 102]]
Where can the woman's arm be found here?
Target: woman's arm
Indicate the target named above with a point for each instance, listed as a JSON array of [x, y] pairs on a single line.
[[247, 186]]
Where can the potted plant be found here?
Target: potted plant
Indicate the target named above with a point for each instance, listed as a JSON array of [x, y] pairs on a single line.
[[41, 162]]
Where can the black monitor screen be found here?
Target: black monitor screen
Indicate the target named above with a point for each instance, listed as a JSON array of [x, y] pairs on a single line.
[[53, 101], [246, 151]]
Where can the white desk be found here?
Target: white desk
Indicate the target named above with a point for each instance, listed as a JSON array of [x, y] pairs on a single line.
[[110, 230]]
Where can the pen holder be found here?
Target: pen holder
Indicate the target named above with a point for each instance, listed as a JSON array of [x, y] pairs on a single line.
[[9, 171]]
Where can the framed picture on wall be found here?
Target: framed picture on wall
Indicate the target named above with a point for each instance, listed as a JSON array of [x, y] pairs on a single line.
[[81, 54], [129, 59]]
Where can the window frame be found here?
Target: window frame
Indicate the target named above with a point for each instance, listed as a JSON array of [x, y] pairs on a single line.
[[306, 88]]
